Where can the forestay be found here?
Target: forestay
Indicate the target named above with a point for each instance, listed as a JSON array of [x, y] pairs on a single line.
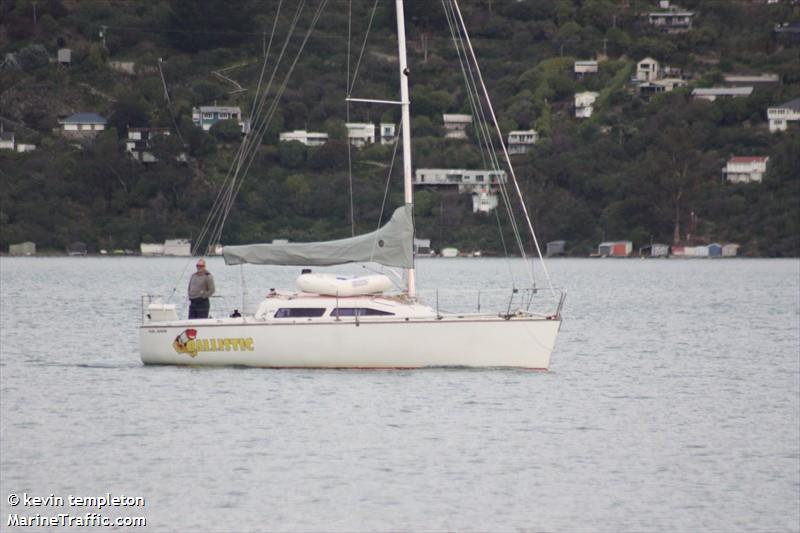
[[391, 245]]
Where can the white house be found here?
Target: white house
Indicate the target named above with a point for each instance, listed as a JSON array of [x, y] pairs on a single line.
[[673, 20], [583, 68], [780, 115], [387, 133], [7, 140], [584, 103], [140, 142], [482, 184], [712, 93], [308, 138], [455, 125], [648, 69], [484, 201], [519, 142], [465, 180], [745, 169], [360, 134], [64, 56], [206, 116], [83, 124], [22, 148]]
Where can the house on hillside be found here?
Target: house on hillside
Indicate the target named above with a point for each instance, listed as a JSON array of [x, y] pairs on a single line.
[[672, 20], [648, 69], [83, 125], [664, 85], [745, 169], [787, 32], [483, 185], [780, 116], [582, 68], [308, 138], [140, 142], [455, 125], [64, 57], [206, 116], [584, 104], [387, 133], [361, 134], [712, 93], [519, 142], [7, 141]]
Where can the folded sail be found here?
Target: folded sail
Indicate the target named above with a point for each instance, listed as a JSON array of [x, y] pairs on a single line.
[[390, 245]]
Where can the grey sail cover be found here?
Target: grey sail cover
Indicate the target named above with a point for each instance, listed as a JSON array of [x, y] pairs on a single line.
[[391, 245]]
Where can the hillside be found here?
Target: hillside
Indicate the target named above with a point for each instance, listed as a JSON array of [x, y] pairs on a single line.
[[643, 168]]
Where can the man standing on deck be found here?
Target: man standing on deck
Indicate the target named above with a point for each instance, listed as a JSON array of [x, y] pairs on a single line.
[[201, 287]]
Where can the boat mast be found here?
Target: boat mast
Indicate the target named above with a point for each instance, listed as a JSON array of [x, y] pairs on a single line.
[[405, 127]]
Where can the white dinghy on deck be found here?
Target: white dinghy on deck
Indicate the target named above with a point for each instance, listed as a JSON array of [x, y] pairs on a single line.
[[337, 322]]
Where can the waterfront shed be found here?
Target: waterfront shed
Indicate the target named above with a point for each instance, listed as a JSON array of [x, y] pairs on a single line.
[[77, 248], [151, 248], [23, 248], [730, 250], [714, 250], [655, 250], [556, 247], [179, 247], [615, 248]]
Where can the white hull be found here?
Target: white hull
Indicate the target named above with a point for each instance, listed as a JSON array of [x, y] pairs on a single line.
[[466, 341]]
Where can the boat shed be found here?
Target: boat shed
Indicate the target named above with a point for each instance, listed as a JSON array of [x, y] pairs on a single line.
[[77, 248], [151, 248], [701, 251], [23, 248], [179, 247], [714, 250], [654, 250], [556, 248], [730, 250], [615, 249]]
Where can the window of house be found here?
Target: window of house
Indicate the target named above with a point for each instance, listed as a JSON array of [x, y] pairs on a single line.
[[359, 311], [208, 115], [299, 312], [224, 116]]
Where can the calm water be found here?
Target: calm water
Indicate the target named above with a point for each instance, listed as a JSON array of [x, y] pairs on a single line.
[[672, 404]]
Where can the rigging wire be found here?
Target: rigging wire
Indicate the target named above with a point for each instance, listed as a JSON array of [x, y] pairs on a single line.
[[347, 121], [505, 151], [483, 135]]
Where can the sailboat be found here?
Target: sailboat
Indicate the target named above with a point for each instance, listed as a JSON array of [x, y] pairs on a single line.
[[334, 321]]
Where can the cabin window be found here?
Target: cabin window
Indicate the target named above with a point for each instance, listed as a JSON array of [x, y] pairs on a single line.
[[299, 312], [359, 311]]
